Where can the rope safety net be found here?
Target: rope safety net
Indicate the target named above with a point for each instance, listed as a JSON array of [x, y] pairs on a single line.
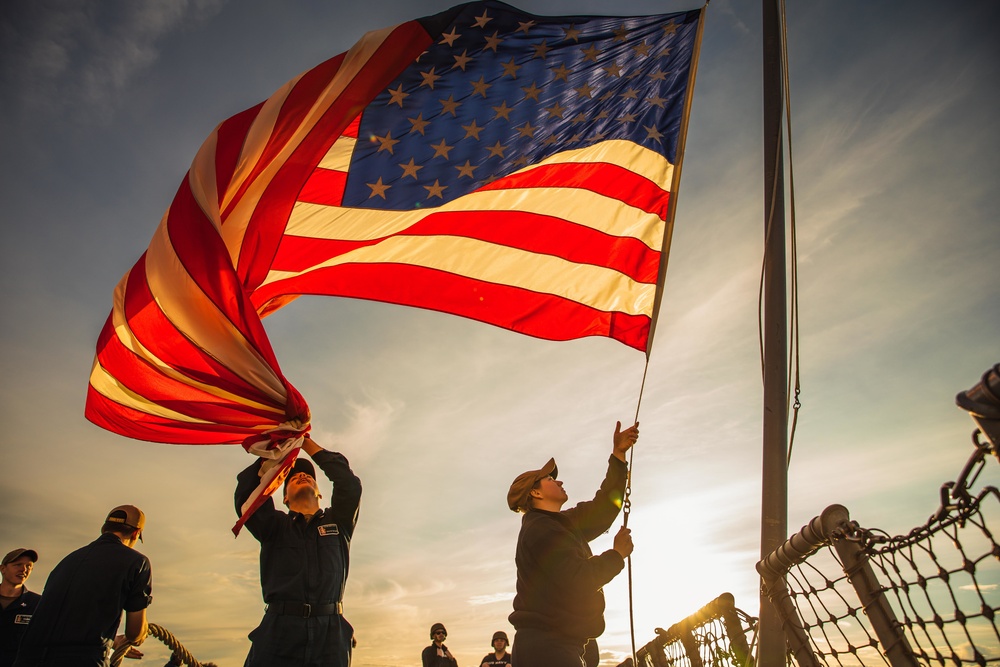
[[938, 583]]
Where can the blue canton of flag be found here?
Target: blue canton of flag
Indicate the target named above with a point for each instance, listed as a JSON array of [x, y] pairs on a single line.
[[501, 89]]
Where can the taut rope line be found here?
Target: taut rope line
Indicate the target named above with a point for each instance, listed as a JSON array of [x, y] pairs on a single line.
[[627, 508], [674, 191]]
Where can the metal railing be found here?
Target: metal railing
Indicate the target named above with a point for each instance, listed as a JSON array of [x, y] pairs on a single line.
[[714, 636]]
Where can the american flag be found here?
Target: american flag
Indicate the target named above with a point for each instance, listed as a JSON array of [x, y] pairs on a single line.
[[517, 173], [484, 162]]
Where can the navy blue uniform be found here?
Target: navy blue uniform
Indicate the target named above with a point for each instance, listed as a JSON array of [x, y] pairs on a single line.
[[303, 570], [13, 622], [81, 607]]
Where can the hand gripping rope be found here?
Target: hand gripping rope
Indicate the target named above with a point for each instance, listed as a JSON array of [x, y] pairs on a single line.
[[167, 638]]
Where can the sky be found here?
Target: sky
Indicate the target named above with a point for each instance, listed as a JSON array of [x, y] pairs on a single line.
[[895, 151]]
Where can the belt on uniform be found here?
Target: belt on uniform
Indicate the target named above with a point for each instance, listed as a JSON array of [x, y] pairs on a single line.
[[305, 610]]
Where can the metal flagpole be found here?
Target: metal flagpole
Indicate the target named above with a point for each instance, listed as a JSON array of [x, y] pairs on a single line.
[[774, 478], [675, 182]]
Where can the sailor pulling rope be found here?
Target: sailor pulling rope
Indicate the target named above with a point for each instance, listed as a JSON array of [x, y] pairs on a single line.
[[559, 603]]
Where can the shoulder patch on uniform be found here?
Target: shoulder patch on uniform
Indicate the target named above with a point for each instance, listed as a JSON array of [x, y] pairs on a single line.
[[22, 619], [328, 529]]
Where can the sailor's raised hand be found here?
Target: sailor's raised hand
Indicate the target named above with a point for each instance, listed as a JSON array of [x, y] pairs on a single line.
[[624, 440]]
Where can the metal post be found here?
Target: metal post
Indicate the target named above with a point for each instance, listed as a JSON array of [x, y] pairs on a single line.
[[734, 629], [871, 594], [775, 566], [774, 481], [691, 647]]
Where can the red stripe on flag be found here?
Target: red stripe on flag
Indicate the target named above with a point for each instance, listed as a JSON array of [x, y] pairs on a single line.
[[230, 137], [260, 242], [145, 380], [149, 381], [531, 232], [206, 260], [532, 313], [605, 179], [296, 106], [325, 186], [159, 335], [352, 129], [121, 419]]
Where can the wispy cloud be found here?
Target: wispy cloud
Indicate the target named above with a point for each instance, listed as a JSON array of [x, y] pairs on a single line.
[[981, 587], [369, 421], [80, 57], [503, 596]]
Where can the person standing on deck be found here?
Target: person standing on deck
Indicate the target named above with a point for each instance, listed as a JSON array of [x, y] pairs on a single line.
[[304, 558], [559, 603]]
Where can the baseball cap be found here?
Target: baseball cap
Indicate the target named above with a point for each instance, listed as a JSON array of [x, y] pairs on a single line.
[[517, 497], [301, 465], [17, 553], [129, 516]]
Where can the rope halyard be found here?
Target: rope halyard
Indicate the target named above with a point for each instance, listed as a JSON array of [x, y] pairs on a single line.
[[675, 186], [794, 385], [171, 642], [794, 379], [627, 509]]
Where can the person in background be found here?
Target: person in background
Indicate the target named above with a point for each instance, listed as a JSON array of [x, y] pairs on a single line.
[[499, 656], [437, 654], [85, 595], [17, 602]]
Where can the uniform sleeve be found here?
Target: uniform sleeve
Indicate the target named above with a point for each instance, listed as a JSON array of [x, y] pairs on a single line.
[[571, 570], [594, 517], [261, 523], [346, 489], [140, 586]]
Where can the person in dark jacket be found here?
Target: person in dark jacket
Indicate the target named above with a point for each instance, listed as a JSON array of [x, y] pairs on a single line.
[[437, 654], [17, 603], [559, 604], [77, 619], [304, 559]]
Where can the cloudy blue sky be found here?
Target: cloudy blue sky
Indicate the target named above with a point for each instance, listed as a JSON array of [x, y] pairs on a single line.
[[896, 156]]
